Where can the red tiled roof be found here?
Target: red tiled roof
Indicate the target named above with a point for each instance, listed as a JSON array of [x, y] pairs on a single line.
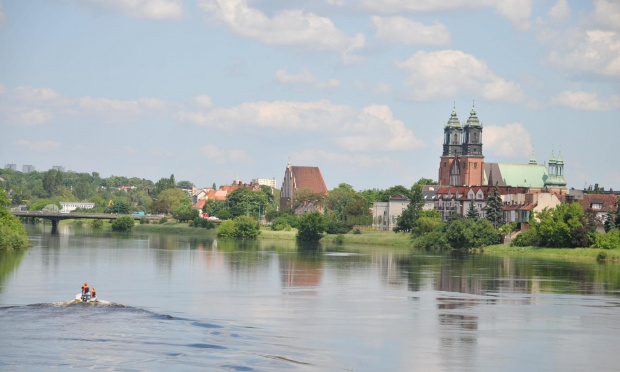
[[309, 178], [199, 204], [607, 201]]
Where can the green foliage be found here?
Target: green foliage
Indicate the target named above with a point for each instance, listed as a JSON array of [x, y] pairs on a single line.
[[170, 200], [602, 256], [465, 233], [12, 233], [311, 227], [408, 218], [339, 239], [124, 223], [164, 184], [609, 221], [335, 226], [203, 223], [495, 211], [39, 204], [433, 240], [119, 206], [242, 227], [185, 184], [609, 240], [185, 213], [163, 220], [564, 226], [395, 190], [243, 201], [52, 180], [357, 231], [224, 214], [527, 238], [472, 212], [144, 221], [96, 224], [428, 221], [213, 206]]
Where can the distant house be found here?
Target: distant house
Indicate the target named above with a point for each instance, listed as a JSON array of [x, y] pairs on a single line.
[[600, 204], [296, 178], [385, 214], [68, 207]]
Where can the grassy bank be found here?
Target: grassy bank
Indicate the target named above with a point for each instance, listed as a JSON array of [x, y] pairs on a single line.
[[563, 253], [370, 237]]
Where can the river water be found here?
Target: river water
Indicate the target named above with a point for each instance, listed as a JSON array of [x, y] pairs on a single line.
[[172, 302]]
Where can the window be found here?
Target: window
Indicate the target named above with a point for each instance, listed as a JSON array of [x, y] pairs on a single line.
[[597, 206]]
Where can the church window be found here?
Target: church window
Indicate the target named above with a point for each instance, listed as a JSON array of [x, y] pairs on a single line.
[[475, 165]]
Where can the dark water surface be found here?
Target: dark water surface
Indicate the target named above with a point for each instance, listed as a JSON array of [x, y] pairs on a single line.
[[173, 302]]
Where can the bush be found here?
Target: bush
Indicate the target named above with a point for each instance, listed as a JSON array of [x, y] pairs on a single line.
[[96, 224], [163, 220], [243, 227], [357, 231], [601, 256], [527, 238], [203, 223], [608, 240], [334, 226], [434, 240], [311, 227], [144, 221], [123, 224], [339, 239], [465, 233], [224, 214]]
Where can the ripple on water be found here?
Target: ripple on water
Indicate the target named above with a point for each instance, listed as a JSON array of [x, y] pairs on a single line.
[[116, 336]]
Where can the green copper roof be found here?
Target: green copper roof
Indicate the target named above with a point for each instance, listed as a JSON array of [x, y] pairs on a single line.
[[473, 119], [526, 175], [533, 159], [454, 121], [559, 160], [552, 160]]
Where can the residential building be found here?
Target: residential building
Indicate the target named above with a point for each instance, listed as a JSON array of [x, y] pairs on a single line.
[[600, 204], [266, 182], [27, 168], [11, 166], [58, 168], [385, 214], [297, 178]]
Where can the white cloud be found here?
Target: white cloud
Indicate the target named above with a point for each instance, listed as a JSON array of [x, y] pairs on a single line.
[[371, 128], [560, 10], [404, 31], [593, 51], [354, 161], [607, 14], [203, 101], [39, 146], [38, 95], [286, 28], [446, 73], [3, 89], [150, 9], [305, 77], [518, 12], [513, 140], [215, 154], [580, 100], [36, 116], [153, 103], [109, 105]]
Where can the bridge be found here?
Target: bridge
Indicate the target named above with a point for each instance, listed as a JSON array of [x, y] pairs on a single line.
[[55, 217]]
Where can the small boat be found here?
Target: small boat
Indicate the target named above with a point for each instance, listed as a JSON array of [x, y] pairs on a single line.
[[84, 298]]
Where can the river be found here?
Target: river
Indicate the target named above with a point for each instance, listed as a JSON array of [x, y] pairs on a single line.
[[184, 303]]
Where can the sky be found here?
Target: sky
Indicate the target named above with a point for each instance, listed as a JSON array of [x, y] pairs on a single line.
[[214, 91]]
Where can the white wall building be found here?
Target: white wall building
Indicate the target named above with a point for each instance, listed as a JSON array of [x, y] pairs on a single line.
[[265, 181], [68, 207]]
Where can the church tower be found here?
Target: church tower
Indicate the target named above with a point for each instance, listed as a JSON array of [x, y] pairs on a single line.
[[472, 162], [452, 149]]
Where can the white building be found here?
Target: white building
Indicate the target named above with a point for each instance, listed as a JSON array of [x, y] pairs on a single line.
[[265, 181], [68, 207], [385, 214]]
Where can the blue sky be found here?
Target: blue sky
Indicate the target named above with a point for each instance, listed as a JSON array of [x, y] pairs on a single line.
[[214, 90]]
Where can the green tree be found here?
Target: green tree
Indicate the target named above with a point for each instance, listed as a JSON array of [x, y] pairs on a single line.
[[617, 221], [124, 223], [51, 181], [213, 206], [464, 233], [427, 222], [609, 221], [395, 190], [472, 212], [246, 202], [12, 233], [185, 184], [170, 200], [185, 213], [310, 227], [242, 227], [495, 208], [409, 216]]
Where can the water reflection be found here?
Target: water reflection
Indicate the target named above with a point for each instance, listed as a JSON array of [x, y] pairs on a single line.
[[9, 261], [303, 269]]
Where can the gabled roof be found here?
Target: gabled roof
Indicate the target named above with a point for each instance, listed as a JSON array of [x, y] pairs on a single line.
[[309, 178], [607, 201], [199, 204], [525, 175]]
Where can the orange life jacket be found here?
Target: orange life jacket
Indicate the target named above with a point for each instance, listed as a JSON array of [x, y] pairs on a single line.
[[85, 289], [93, 292]]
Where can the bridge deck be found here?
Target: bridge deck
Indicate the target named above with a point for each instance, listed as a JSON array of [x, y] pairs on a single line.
[[92, 216]]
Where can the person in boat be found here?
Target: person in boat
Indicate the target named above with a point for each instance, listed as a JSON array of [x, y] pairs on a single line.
[[93, 293], [85, 288]]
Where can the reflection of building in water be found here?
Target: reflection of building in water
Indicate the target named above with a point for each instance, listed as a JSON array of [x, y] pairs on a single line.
[[392, 274], [301, 270], [458, 331]]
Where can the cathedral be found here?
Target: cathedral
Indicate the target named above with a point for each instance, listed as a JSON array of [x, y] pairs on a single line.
[[462, 162]]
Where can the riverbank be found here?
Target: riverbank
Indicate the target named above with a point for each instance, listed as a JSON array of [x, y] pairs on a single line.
[[391, 239]]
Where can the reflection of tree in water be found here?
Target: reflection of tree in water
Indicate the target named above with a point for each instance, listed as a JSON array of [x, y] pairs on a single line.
[[9, 261], [301, 269]]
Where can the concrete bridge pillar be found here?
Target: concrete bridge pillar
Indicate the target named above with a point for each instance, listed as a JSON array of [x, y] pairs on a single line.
[[54, 227]]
